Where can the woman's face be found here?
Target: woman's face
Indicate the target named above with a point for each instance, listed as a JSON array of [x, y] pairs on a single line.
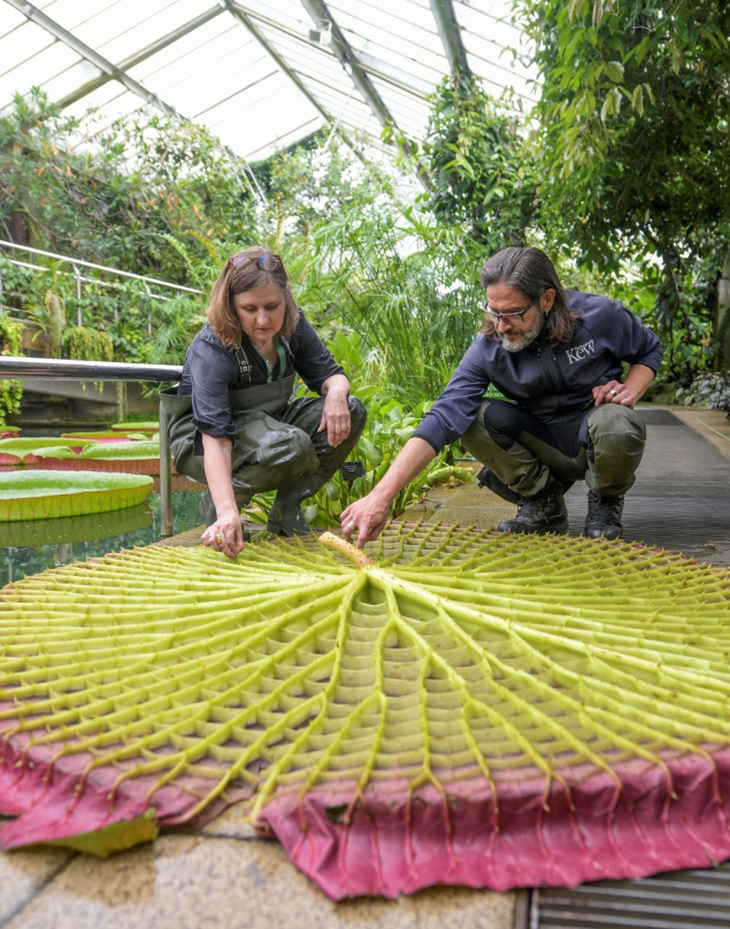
[[261, 312]]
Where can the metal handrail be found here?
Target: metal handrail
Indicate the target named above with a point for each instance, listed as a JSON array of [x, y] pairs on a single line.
[[97, 267], [15, 367]]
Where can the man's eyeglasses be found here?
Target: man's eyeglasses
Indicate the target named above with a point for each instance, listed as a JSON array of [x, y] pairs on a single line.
[[265, 262], [513, 315]]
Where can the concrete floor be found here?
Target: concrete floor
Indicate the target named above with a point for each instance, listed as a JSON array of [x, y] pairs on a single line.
[[222, 875]]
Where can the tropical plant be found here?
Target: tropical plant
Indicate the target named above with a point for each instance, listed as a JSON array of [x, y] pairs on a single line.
[[469, 707], [85, 344], [710, 390], [11, 392], [111, 203], [389, 426], [634, 113], [407, 285], [482, 173]]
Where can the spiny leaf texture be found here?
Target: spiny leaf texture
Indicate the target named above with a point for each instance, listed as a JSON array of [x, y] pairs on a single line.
[[465, 707]]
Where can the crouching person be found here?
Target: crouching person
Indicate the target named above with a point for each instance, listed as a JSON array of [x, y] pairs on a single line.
[[233, 424]]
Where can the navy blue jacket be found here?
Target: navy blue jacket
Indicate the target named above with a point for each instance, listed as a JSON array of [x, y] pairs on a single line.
[[547, 381]]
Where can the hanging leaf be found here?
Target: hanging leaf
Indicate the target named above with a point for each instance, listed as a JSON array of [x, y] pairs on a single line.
[[459, 707]]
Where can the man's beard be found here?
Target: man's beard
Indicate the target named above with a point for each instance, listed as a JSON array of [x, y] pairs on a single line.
[[528, 336]]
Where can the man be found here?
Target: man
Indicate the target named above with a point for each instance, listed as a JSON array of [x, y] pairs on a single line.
[[557, 357]]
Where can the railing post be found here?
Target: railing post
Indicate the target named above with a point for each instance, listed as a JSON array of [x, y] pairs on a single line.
[[165, 475]]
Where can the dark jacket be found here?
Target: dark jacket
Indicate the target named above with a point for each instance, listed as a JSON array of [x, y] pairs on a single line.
[[547, 381], [211, 370]]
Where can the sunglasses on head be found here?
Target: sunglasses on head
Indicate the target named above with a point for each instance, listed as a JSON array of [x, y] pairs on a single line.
[[268, 262]]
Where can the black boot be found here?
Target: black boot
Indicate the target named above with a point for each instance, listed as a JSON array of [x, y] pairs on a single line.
[[604, 517], [286, 517], [541, 513]]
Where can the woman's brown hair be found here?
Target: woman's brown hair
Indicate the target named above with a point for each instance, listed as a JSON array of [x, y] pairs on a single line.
[[248, 270], [531, 271]]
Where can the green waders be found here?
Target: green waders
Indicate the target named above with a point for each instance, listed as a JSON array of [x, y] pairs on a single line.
[[602, 445], [277, 446]]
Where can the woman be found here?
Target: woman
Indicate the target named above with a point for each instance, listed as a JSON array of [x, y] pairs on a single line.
[[232, 423]]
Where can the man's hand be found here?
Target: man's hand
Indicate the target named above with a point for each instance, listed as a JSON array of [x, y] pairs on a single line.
[[368, 516], [638, 379], [614, 392]]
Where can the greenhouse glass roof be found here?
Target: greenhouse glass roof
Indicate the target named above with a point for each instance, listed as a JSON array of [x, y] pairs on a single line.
[[260, 74]]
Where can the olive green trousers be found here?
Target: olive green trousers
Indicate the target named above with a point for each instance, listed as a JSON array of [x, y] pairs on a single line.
[[602, 445]]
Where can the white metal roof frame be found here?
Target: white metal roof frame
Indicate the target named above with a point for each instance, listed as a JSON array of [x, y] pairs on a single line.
[[260, 74]]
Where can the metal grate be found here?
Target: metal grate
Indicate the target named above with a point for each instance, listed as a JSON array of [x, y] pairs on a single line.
[[675, 900], [681, 501]]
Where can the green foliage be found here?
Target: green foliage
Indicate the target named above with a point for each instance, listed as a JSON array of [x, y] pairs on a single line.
[[388, 429], [176, 322], [389, 426], [647, 78], [710, 390], [150, 198], [408, 285], [85, 344], [11, 392], [113, 203], [482, 174], [634, 114]]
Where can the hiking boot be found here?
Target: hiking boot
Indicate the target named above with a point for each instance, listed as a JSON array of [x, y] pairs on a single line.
[[541, 513], [604, 517]]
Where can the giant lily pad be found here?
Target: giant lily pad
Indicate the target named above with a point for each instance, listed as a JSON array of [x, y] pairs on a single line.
[[13, 451], [147, 428], [462, 707], [127, 457], [47, 494], [106, 436]]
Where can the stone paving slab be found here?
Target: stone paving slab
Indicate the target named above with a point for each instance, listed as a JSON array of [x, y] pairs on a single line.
[[191, 882], [26, 873]]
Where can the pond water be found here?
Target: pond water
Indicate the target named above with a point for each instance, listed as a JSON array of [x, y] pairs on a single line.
[[33, 546]]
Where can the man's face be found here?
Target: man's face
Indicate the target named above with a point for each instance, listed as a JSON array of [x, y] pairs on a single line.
[[520, 320]]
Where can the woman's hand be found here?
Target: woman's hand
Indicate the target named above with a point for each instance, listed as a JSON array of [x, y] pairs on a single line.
[[336, 412], [368, 516], [225, 535]]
